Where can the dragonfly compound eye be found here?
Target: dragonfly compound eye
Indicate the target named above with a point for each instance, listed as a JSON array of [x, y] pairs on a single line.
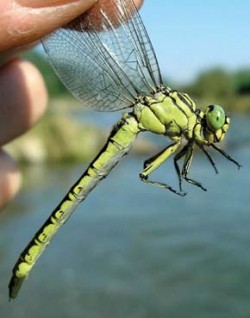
[[215, 117]]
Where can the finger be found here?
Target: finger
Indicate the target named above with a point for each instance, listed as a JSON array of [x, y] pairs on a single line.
[[7, 56], [23, 99], [10, 180], [25, 21]]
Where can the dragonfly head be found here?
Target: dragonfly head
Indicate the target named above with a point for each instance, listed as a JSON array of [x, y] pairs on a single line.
[[215, 123]]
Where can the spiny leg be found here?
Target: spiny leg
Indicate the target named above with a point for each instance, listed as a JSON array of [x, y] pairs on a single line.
[[154, 162], [209, 159], [186, 151], [177, 168], [226, 155]]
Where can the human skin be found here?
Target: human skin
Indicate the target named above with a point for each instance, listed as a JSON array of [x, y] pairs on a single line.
[[23, 95]]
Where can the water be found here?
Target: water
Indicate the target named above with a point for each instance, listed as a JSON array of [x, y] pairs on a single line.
[[132, 250]]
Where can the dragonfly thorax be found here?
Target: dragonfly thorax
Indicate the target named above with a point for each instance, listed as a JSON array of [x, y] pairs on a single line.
[[168, 113]]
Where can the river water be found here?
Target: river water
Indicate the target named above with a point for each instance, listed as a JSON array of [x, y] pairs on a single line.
[[132, 250]]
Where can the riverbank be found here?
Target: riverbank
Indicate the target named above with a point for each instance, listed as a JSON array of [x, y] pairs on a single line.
[[61, 136]]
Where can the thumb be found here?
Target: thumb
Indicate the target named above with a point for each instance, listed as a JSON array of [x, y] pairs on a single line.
[[25, 21]]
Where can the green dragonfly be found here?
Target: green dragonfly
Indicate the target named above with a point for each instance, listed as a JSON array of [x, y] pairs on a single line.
[[106, 60]]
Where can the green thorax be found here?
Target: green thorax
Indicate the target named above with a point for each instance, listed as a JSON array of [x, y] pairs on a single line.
[[167, 112]]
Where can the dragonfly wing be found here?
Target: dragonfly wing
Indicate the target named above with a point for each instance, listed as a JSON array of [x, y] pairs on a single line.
[[105, 57]]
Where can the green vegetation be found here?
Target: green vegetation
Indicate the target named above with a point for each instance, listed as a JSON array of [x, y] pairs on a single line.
[[223, 87]]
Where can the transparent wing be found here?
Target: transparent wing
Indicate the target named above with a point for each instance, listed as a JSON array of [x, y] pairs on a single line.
[[105, 57]]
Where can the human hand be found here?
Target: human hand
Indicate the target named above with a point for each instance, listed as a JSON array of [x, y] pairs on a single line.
[[23, 95]]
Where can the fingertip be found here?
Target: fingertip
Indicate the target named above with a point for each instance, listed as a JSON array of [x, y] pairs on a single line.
[[138, 3], [10, 181], [23, 97], [35, 89], [24, 21]]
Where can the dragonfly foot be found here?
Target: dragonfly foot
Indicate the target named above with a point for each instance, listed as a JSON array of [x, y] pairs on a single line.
[[195, 183], [161, 185], [181, 193]]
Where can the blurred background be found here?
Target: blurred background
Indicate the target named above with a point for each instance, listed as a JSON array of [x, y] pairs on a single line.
[[132, 250]]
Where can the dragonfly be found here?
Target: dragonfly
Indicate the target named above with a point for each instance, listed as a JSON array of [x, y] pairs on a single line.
[[106, 60]]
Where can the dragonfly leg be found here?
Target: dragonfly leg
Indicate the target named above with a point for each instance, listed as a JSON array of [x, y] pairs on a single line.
[[209, 159], [154, 162], [186, 151], [226, 155], [177, 157]]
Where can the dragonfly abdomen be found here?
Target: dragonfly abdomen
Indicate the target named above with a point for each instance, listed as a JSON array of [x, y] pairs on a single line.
[[118, 144]]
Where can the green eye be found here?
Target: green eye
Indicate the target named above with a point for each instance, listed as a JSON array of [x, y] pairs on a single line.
[[215, 117]]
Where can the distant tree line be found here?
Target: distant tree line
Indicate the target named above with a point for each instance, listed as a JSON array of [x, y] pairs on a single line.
[[220, 83]]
